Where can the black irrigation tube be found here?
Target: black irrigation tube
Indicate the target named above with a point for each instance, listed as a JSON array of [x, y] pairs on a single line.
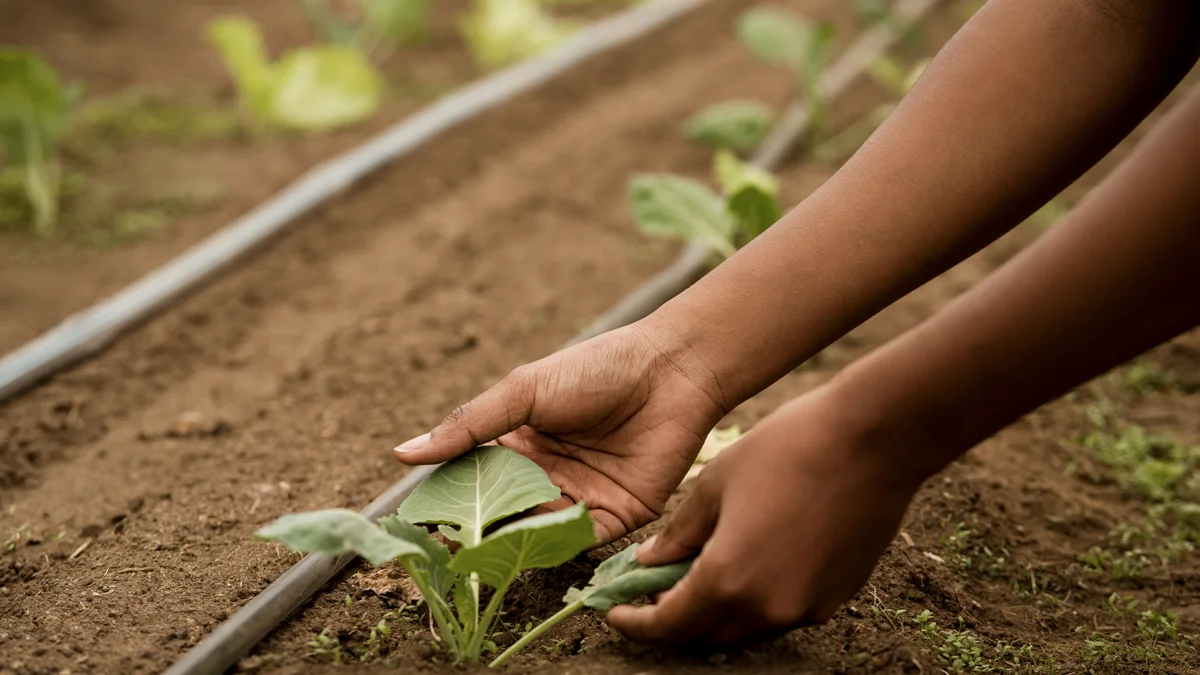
[[88, 332]]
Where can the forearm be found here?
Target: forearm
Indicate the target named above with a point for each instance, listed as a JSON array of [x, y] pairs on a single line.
[[1118, 276], [1027, 96]]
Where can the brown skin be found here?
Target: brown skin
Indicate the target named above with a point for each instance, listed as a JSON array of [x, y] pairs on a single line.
[[1024, 99]]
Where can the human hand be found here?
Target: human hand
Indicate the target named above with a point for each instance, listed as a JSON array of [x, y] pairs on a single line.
[[791, 519], [615, 421]]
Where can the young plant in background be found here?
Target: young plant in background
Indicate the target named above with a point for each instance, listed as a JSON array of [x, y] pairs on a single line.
[[501, 32], [778, 38], [464, 498], [668, 205], [35, 108], [309, 89], [383, 25], [736, 125]]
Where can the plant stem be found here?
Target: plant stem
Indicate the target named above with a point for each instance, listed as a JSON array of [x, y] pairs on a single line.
[[536, 632], [484, 628]]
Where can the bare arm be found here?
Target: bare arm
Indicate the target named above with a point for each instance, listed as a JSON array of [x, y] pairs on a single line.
[[1026, 97]]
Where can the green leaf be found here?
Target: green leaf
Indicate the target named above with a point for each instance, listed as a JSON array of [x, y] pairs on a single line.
[[476, 490], [668, 205], [622, 579], [739, 125], [500, 32], [436, 568], [319, 88], [752, 193], [733, 174], [34, 107], [338, 531], [240, 44], [312, 88], [775, 36], [536, 542]]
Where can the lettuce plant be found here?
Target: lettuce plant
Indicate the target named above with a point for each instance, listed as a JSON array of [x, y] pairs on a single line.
[[738, 125], [310, 88], [465, 499], [35, 108], [664, 204], [501, 32]]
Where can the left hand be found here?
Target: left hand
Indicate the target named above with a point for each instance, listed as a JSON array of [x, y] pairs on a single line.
[[791, 520]]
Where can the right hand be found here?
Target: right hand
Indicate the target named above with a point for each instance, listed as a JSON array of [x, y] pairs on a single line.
[[615, 421]]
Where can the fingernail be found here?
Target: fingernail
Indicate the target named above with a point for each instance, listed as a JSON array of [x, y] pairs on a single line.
[[415, 444], [646, 545]]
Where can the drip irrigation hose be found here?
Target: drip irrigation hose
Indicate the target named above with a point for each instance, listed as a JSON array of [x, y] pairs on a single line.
[[90, 331], [237, 635]]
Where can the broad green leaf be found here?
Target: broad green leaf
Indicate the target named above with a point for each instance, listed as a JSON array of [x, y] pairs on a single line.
[[776, 36], [536, 542], [401, 21], [339, 531], [622, 579], [751, 193], [755, 209], [240, 45], [324, 87], [436, 569], [500, 32], [476, 490], [739, 125], [667, 205]]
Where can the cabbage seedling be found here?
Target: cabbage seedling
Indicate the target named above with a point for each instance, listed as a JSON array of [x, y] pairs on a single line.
[[737, 125], [668, 205], [781, 38], [35, 108], [501, 32], [310, 89], [464, 499]]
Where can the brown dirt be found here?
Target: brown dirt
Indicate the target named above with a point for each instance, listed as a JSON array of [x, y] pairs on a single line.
[[122, 46], [282, 386]]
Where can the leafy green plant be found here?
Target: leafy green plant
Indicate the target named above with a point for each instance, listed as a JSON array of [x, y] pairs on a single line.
[[465, 499], [664, 204], [382, 25], [35, 108], [501, 32], [737, 125], [310, 88], [780, 38]]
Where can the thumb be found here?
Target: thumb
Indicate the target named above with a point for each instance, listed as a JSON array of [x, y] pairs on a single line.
[[497, 411], [688, 530]]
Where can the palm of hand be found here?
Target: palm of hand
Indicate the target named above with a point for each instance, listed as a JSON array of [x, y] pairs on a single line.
[[614, 429]]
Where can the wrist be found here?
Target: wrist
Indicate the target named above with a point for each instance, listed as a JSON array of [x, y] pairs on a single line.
[[679, 355], [896, 426]]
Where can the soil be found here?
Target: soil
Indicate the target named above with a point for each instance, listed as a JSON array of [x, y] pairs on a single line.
[[131, 483]]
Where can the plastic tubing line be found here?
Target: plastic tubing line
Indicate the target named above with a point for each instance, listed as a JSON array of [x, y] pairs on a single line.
[[250, 624], [90, 331]]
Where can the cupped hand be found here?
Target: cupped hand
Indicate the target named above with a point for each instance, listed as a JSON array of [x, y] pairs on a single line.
[[615, 421], [788, 523]]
